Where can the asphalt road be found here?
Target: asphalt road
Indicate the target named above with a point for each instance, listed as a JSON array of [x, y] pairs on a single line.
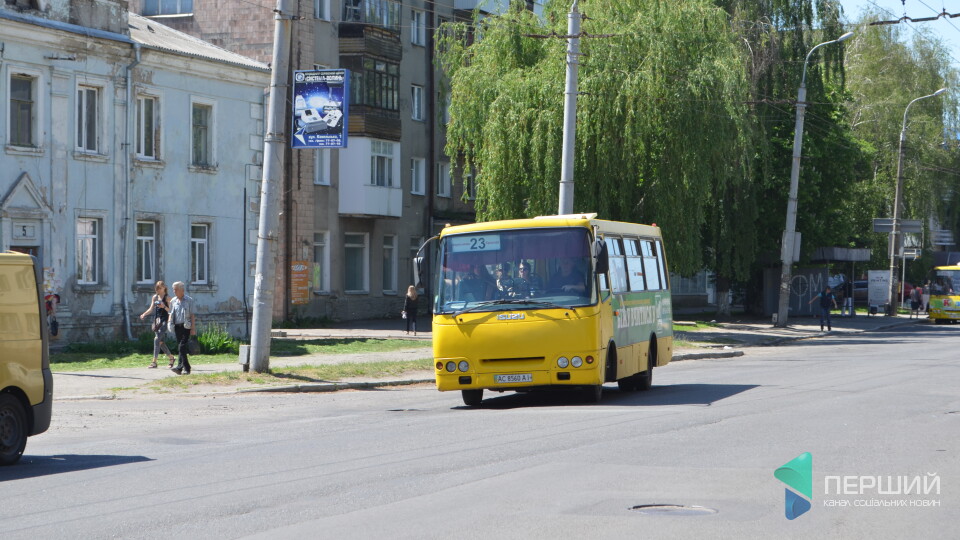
[[411, 462]]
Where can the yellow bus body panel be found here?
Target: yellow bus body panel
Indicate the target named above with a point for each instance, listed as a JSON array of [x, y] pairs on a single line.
[[945, 307]]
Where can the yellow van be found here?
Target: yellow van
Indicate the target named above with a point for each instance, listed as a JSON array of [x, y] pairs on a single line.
[[26, 384]]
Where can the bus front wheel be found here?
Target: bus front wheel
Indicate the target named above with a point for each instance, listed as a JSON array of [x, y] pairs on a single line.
[[472, 398], [13, 429]]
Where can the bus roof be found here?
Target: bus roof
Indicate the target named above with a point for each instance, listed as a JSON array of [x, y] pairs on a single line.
[[586, 220], [947, 267]]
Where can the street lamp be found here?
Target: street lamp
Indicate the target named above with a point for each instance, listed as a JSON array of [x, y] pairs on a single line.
[[787, 245], [895, 231]]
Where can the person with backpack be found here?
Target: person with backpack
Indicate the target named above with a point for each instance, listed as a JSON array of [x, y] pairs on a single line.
[[826, 300]]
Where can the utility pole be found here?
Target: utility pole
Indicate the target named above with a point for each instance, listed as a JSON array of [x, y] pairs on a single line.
[[273, 149], [570, 111]]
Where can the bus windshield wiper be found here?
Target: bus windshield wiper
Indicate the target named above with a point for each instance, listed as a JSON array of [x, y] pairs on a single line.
[[521, 301]]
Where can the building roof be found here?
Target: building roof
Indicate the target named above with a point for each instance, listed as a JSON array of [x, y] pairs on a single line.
[[154, 35]]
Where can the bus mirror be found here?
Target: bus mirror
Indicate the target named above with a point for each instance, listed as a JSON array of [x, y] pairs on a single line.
[[603, 262], [418, 271]]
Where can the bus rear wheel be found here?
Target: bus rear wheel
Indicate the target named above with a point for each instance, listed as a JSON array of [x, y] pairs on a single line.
[[13, 429], [645, 379], [472, 398]]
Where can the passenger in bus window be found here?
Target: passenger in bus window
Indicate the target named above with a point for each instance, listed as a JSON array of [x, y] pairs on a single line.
[[565, 279], [526, 283], [504, 282], [474, 285]]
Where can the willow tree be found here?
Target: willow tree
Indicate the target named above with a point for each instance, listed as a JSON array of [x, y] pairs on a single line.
[[660, 117], [886, 70]]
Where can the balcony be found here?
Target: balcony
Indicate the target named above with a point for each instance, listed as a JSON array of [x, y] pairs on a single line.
[[359, 195]]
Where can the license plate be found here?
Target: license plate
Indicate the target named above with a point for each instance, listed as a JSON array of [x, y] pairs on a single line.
[[513, 378]]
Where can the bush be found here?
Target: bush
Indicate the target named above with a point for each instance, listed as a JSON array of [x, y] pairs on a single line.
[[214, 339]]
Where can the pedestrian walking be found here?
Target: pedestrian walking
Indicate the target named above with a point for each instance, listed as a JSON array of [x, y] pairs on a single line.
[[847, 291], [916, 297], [410, 309], [183, 323], [827, 299], [160, 308], [925, 298]]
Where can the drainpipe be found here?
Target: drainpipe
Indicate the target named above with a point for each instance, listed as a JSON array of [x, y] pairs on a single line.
[[125, 229]]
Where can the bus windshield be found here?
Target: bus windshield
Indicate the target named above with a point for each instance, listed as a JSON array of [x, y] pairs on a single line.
[[944, 282], [515, 268]]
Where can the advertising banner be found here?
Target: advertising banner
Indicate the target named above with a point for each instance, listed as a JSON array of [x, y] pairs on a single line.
[[320, 108], [878, 287], [300, 282]]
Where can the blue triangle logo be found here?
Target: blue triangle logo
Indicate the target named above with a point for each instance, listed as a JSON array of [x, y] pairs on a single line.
[[795, 505]]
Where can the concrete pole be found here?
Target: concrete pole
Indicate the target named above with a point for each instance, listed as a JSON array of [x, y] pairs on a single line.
[[789, 234], [273, 151], [895, 231], [570, 111]]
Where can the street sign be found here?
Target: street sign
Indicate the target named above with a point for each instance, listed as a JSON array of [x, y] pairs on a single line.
[[910, 253], [885, 225], [320, 112]]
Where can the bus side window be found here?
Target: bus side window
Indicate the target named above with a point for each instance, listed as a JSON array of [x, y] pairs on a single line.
[[618, 271], [650, 266], [663, 265], [634, 265]]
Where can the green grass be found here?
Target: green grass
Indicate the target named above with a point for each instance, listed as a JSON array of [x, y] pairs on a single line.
[[297, 375], [698, 325], [112, 358]]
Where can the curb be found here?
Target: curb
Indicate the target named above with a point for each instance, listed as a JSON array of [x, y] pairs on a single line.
[[705, 355], [334, 387]]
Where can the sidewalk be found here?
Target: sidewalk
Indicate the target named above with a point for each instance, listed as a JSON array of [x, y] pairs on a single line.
[[727, 339]]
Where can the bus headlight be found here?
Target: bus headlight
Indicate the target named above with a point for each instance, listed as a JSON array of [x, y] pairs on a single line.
[[576, 361], [451, 366], [463, 365], [562, 362]]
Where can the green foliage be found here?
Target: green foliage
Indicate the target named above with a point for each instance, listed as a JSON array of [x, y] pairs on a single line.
[[214, 339]]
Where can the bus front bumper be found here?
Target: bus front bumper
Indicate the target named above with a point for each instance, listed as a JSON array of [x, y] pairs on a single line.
[[515, 380]]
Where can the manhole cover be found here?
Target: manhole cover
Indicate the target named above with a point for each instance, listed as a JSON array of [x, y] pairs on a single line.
[[673, 510]]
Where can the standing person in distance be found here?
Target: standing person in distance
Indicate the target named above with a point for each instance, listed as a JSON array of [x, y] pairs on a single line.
[[183, 322], [826, 300], [410, 309], [160, 307]]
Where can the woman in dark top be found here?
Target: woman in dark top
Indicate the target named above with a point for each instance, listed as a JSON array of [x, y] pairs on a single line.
[[410, 309], [160, 308]]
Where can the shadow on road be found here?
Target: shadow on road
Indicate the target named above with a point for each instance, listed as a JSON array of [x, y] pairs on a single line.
[[677, 394], [36, 466]]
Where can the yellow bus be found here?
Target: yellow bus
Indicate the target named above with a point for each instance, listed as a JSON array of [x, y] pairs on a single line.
[[944, 284], [26, 384], [553, 301]]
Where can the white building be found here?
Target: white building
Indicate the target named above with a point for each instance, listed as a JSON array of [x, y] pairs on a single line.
[[115, 185]]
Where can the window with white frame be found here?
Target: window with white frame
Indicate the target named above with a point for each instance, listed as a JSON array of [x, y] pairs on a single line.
[[88, 251], [152, 8], [416, 102], [321, 262], [146, 251], [389, 264], [418, 169], [443, 179], [147, 142], [88, 118], [201, 134], [23, 110], [355, 268], [199, 253], [470, 187], [321, 169], [418, 27], [321, 9], [381, 163]]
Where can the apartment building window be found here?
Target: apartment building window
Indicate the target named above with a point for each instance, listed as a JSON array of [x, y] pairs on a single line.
[[416, 102], [199, 254], [470, 187], [417, 175], [321, 262], [147, 143], [443, 179], [146, 251], [381, 163], [201, 119], [23, 110], [418, 27], [321, 171], [389, 264], [321, 9], [88, 251], [355, 259], [88, 119], [375, 83], [152, 8]]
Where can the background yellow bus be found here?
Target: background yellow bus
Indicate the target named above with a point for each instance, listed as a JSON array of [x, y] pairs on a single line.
[[944, 294], [553, 301]]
